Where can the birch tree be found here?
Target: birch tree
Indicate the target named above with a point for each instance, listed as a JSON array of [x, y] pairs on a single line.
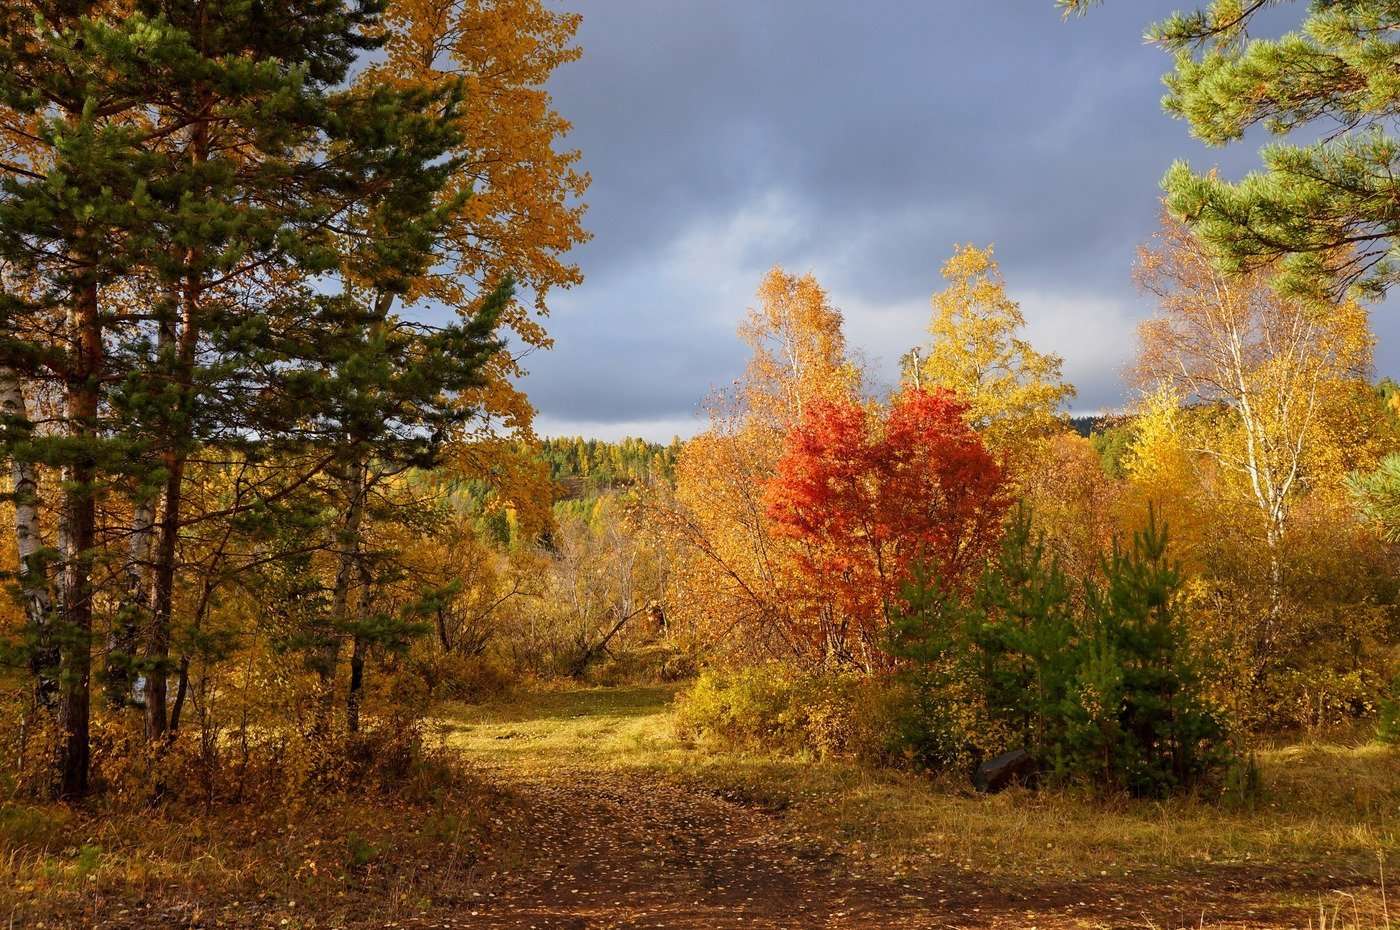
[[1277, 367]]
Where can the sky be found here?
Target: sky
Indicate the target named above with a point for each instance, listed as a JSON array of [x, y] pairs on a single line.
[[858, 141]]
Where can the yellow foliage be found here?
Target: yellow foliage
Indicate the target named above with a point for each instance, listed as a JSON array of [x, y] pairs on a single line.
[[735, 579], [1283, 406], [1255, 408], [1014, 393], [1073, 502], [525, 211], [799, 350]]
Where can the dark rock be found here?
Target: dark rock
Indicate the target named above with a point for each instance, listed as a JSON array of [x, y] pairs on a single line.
[[998, 773]]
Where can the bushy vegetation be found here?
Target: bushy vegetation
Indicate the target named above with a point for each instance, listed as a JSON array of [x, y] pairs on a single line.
[[774, 706], [1388, 719], [1100, 686]]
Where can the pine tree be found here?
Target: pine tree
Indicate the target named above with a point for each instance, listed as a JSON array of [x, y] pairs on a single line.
[[75, 216], [1377, 497], [1022, 635], [1135, 717], [238, 113], [183, 179], [1321, 208], [1103, 688]]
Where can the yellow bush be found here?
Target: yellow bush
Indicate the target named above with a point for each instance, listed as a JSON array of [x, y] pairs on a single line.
[[776, 707]]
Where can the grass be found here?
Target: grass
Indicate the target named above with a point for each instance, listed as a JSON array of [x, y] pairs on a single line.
[[535, 732], [290, 863], [1329, 812], [1329, 815]]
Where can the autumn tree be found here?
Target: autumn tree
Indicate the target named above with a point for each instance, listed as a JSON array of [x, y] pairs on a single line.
[[232, 173], [867, 495], [244, 241], [1286, 373], [507, 210], [1161, 470], [516, 197], [1075, 503], [799, 351], [1013, 393], [735, 579]]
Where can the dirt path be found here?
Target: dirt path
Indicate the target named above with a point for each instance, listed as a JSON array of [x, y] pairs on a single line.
[[590, 847], [632, 851]]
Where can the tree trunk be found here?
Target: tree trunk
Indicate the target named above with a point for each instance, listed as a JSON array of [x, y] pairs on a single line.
[[357, 679], [162, 600], [126, 631], [443, 638], [181, 689], [348, 543], [79, 524], [33, 572], [351, 565], [1274, 621], [179, 435], [361, 646]]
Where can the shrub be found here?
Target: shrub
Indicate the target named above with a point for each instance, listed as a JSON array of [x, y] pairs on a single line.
[[35, 829], [752, 708], [1324, 656], [459, 677], [777, 707], [992, 671], [659, 663]]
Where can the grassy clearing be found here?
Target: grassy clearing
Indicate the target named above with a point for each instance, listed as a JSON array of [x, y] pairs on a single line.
[[537, 732], [1328, 813]]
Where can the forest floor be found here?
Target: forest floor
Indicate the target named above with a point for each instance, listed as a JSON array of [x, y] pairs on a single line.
[[579, 809], [623, 826]]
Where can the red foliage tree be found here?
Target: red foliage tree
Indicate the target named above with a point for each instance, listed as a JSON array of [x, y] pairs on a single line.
[[866, 496]]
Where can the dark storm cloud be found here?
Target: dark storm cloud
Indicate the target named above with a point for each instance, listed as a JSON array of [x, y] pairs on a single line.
[[858, 141]]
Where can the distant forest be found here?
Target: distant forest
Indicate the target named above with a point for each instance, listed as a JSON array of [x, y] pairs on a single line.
[[584, 467]]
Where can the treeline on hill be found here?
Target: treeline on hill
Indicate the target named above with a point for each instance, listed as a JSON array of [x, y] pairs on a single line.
[[259, 265], [588, 467]]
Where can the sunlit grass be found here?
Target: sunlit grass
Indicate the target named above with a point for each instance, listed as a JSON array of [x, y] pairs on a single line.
[[1328, 812], [1313, 843]]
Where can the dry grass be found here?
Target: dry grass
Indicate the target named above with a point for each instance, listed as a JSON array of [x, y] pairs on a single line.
[[1312, 845], [283, 863], [1329, 813]]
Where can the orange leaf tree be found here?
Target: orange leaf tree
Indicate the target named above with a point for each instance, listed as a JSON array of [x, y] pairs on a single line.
[[734, 587], [868, 496]]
